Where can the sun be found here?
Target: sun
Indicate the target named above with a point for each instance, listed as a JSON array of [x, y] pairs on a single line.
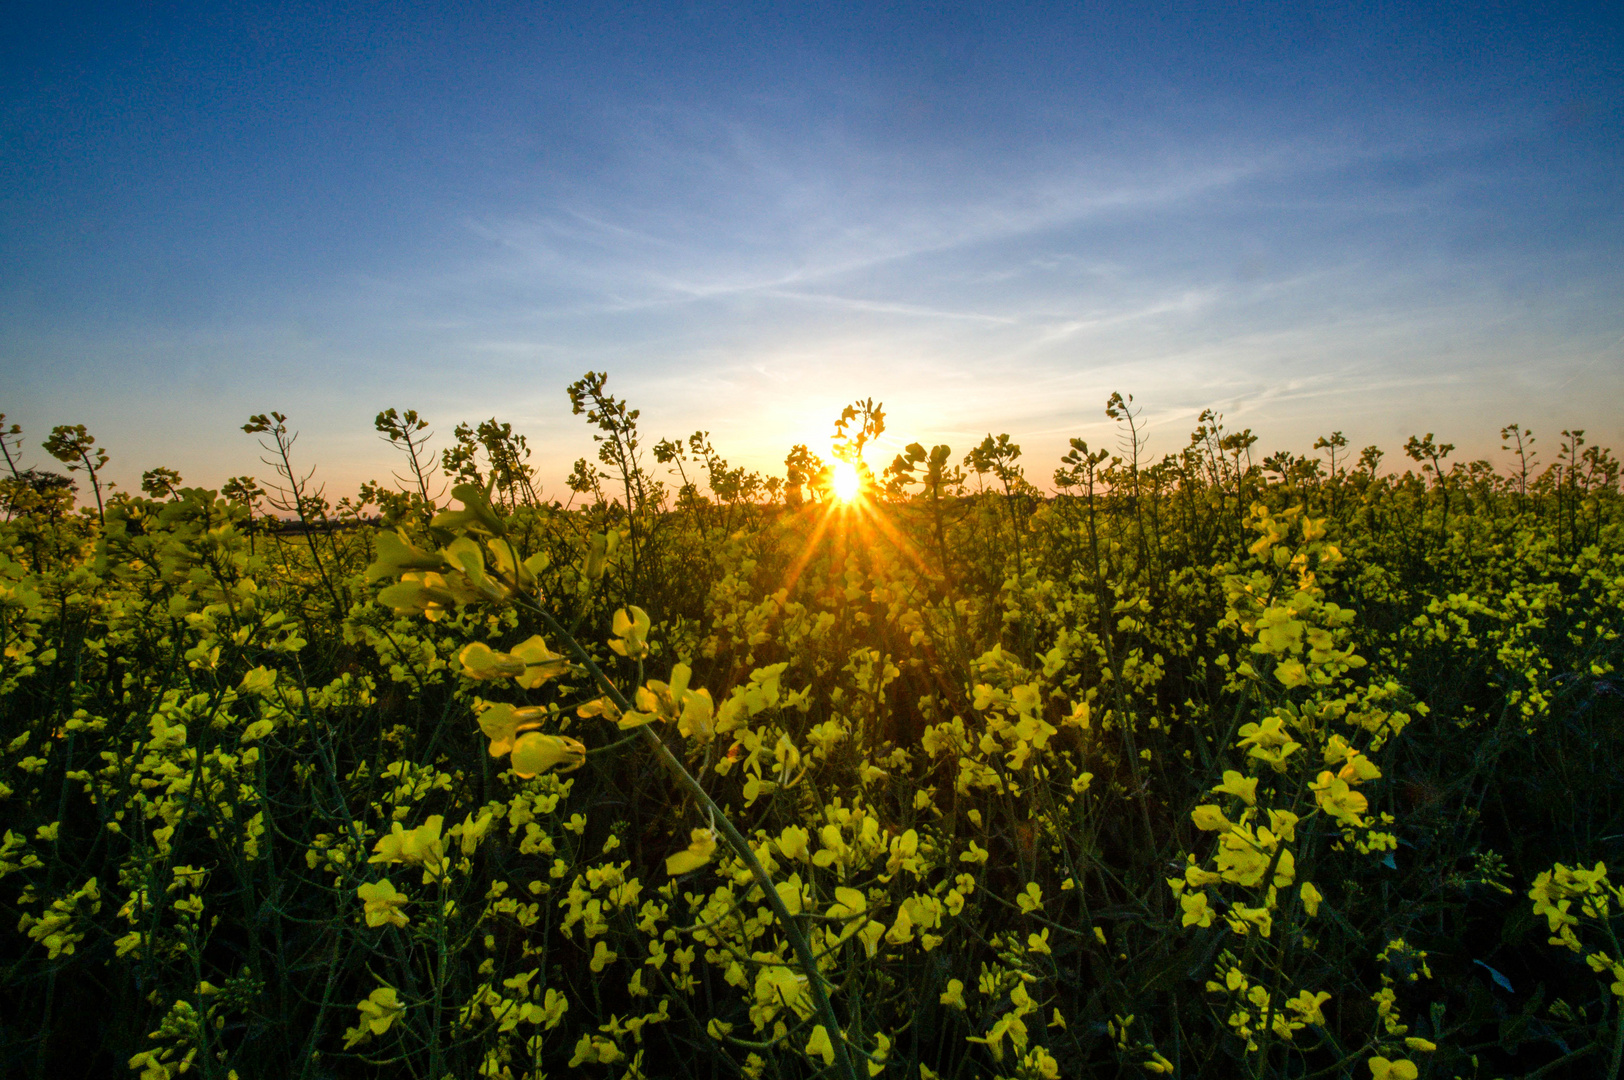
[[845, 481]]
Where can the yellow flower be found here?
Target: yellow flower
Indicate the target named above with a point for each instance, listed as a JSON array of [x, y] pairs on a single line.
[[789, 891], [1307, 1006], [629, 719], [1009, 1024], [755, 788], [1235, 784], [535, 753], [848, 902], [383, 903], [1338, 800], [1242, 918], [867, 773], [1271, 734], [1269, 742], [901, 931], [1278, 632], [1283, 823], [1311, 898], [1242, 865], [1285, 870], [421, 846], [540, 662], [1291, 673], [1210, 818], [602, 957], [631, 632], [380, 1008], [476, 516], [1421, 1046], [378, 1012], [698, 715], [600, 707], [793, 841], [778, 985], [396, 555], [479, 661], [553, 1007], [698, 853], [502, 725], [1359, 769], [594, 1049], [1196, 911], [530, 663], [1044, 1064], [1402, 1069], [419, 593], [953, 996], [819, 1044], [882, 1051]]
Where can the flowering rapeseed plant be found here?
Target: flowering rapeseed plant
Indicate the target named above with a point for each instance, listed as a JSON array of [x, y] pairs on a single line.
[[978, 782]]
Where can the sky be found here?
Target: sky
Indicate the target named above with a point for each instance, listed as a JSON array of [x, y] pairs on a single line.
[[1383, 219]]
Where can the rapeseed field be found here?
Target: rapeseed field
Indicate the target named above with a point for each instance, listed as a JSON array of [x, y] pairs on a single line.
[[1207, 765]]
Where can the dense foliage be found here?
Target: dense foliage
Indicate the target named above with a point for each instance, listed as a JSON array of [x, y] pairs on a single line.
[[1201, 766]]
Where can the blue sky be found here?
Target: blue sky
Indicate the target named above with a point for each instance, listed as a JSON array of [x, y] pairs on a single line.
[[1384, 220]]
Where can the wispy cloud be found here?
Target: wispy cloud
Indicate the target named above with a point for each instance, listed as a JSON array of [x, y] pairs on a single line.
[[1281, 281]]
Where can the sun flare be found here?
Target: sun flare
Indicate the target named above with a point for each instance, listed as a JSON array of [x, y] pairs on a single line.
[[846, 482]]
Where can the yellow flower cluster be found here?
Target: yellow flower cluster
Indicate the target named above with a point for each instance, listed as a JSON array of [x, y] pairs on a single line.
[[1556, 892]]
